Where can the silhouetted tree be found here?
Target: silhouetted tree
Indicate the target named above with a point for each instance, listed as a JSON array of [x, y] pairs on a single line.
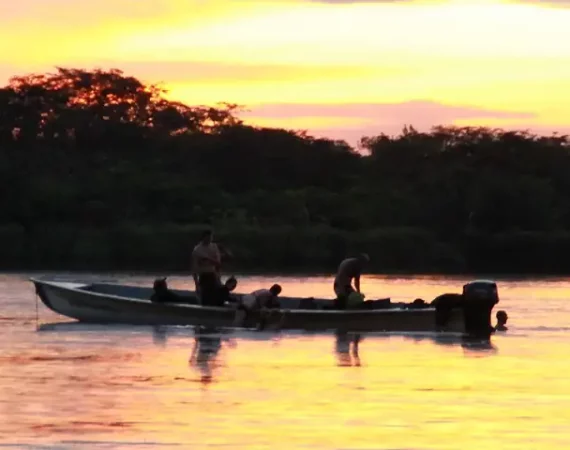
[[100, 169]]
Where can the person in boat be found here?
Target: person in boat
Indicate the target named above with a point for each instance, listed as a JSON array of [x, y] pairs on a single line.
[[262, 301], [262, 298], [502, 318], [224, 293], [206, 267], [161, 293], [349, 269]]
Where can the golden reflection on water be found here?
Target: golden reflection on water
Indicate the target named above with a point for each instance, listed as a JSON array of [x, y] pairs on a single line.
[[145, 387]]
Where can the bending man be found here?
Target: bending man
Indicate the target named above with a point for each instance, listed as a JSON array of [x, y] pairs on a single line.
[[263, 302], [348, 270]]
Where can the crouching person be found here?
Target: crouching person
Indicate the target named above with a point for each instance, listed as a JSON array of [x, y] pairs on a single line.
[[262, 303]]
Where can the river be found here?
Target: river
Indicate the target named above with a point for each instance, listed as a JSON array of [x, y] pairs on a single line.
[[74, 386]]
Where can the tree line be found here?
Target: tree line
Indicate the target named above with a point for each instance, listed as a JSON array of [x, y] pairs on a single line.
[[98, 170]]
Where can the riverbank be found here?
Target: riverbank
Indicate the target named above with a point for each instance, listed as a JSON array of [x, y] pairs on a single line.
[[307, 250]]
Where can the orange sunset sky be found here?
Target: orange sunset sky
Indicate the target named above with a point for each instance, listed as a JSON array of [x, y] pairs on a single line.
[[337, 68]]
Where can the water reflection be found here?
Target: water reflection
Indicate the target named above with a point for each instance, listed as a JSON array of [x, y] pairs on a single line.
[[471, 346], [159, 333], [346, 348], [347, 345], [478, 347], [207, 346], [105, 386], [208, 342]]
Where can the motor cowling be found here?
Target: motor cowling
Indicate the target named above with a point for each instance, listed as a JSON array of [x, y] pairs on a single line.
[[479, 299]]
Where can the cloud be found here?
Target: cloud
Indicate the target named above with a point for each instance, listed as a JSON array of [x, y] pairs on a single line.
[[215, 72], [410, 110], [373, 118], [362, 1], [543, 3], [552, 3], [379, 2]]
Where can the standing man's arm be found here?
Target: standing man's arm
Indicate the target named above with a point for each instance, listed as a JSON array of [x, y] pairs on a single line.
[[224, 252], [194, 272]]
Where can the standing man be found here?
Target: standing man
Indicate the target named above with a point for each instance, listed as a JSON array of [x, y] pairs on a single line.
[[348, 270], [206, 266]]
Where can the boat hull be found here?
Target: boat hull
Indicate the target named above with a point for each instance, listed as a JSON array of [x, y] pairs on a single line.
[[77, 302]]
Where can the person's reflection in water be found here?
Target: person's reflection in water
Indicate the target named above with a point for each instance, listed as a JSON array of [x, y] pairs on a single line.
[[207, 345], [345, 357], [159, 335]]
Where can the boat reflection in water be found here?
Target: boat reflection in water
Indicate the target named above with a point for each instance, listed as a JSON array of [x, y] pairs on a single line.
[[209, 341], [472, 346], [347, 345], [478, 347]]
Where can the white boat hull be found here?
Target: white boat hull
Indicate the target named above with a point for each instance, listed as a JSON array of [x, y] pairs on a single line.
[[96, 303]]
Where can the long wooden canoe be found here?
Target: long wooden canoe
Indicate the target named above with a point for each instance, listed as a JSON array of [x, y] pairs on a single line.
[[107, 303]]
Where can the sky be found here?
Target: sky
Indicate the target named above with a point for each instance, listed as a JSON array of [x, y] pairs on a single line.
[[341, 69]]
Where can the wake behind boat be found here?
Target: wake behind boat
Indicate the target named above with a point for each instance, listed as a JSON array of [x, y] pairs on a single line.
[[106, 303]]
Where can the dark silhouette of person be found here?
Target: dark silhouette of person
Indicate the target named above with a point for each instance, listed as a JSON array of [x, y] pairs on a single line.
[[206, 267], [348, 270], [263, 303], [502, 318]]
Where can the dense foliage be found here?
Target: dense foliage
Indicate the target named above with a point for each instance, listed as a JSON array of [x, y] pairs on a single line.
[[98, 170]]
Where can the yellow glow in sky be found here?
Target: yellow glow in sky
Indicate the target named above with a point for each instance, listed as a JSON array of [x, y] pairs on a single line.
[[493, 55]]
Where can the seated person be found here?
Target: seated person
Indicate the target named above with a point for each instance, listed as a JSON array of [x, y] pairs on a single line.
[[225, 290], [502, 318], [162, 294]]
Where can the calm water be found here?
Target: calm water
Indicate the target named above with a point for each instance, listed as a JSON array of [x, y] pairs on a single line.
[[74, 386]]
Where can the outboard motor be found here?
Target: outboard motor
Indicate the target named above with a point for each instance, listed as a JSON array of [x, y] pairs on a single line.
[[479, 298]]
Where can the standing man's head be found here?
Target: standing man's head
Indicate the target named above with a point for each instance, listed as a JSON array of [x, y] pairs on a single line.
[[207, 237]]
